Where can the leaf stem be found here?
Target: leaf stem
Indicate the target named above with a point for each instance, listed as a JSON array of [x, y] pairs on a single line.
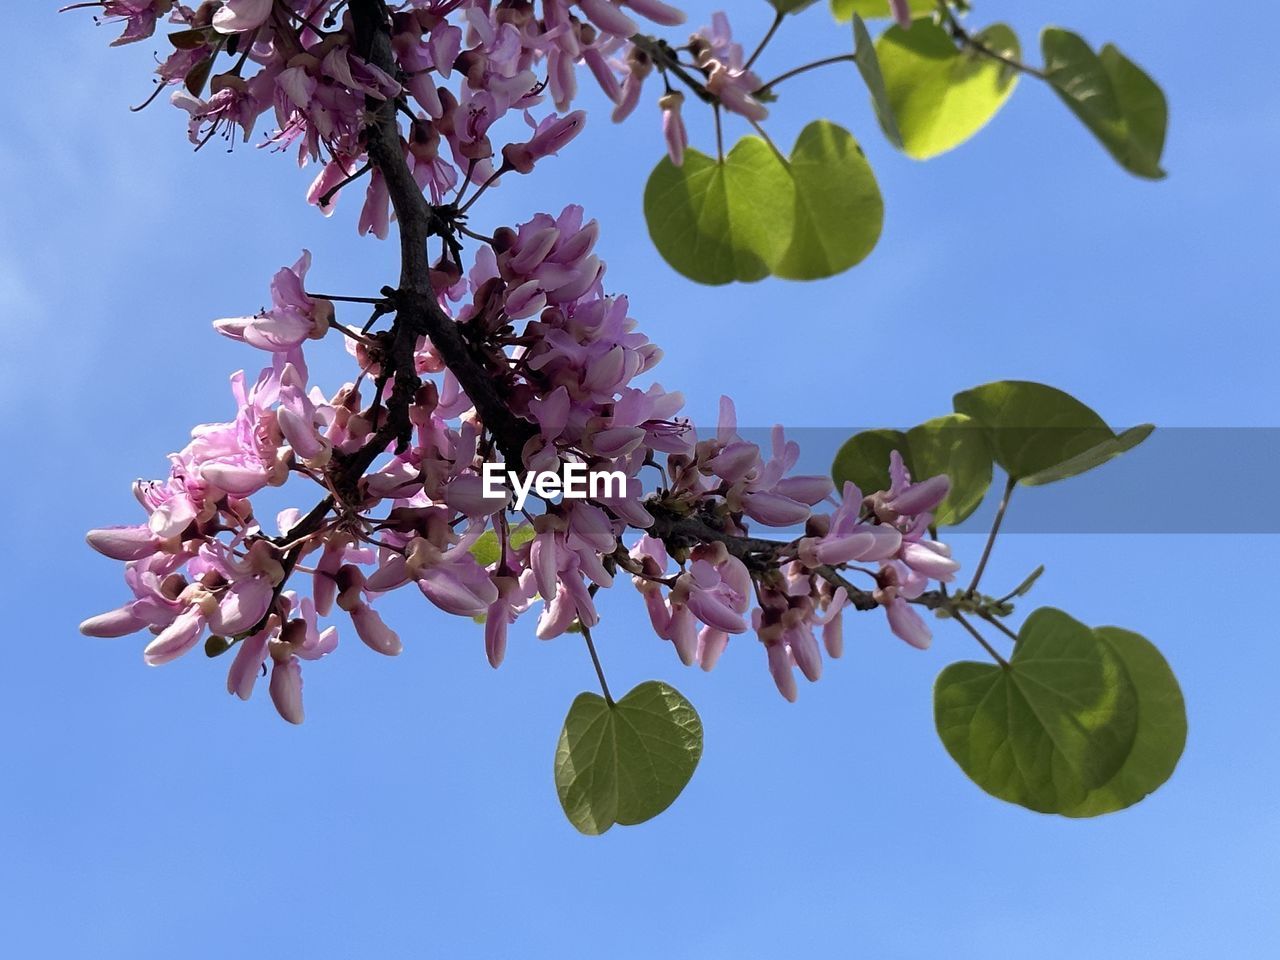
[[773, 28], [967, 39], [977, 636], [999, 626], [767, 139], [595, 659], [1010, 483], [803, 68], [329, 194]]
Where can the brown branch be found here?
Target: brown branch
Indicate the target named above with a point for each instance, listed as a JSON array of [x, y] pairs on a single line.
[[418, 309]]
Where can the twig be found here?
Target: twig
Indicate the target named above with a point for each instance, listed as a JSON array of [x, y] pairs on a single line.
[[977, 46], [595, 659], [327, 197], [773, 28], [991, 538], [977, 636], [803, 68]]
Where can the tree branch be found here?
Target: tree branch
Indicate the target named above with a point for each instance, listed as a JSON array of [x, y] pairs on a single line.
[[418, 313], [418, 309]]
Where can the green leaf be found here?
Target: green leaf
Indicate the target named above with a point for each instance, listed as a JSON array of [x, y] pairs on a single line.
[[1040, 434], [1123, 107], [864, 55], [1022, 589], [940, 95], [875, 9], [864, 459], [627, 762], [953, 445], [720, 222], [192, 39], [956, 446], [1093, 457], [198, 76], [488, 551], [791, 6], [1162, 727], [216, 646], [1056, 723], [716, 223], [839, 210]]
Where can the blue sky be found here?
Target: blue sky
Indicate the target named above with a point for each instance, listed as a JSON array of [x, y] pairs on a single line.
[[146, 813]]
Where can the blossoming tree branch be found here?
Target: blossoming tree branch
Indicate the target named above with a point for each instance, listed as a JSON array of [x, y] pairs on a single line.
[[502, 345]]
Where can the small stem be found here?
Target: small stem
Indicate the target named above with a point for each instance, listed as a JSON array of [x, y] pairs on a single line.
[[977, 46], [766, 138], [337, 299], [977, 636], [350, 334], [595, 659], [466, 182], [803, 68], [475, 236], [483, 187], [995, 529], [719, 134], [773, 28], [665, 59], [999, 626], [327, 197]]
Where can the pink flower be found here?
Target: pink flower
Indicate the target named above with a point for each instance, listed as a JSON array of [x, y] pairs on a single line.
[[727, 79], [902, 12], [673, 129], [140, 16], [241, 16], [294, 316], [286, 688], [549, 137]]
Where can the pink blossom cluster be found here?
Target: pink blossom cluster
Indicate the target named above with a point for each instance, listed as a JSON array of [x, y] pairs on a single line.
[[719, 59], [463, 64], [461, 67], [568, 356], [565, 357], [709, 600]]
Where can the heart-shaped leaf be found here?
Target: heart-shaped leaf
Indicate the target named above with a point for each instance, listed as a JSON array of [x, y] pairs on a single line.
[[864, 56], [953, 445], [839, 210], [1162, 727], [941, 95], [874, 9], [863, 459], [720, 222], [956, 446], [626, 762], [1054, 724], [1123, 107], [1093, 457], [1040, 434]]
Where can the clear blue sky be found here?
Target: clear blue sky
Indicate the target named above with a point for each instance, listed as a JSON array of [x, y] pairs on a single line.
[[145, 813]]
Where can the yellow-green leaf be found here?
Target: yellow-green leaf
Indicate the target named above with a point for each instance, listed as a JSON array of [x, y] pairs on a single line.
[[941, 95]]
